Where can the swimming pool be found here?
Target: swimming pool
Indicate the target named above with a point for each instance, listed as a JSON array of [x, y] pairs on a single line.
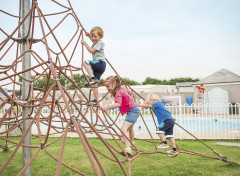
[[191, 124], [195, 124]]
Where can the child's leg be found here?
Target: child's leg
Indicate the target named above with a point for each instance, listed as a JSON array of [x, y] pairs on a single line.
[[169, 134], [162, 137], [131, 133], [95, 93], [165, 131], [88, 68], [125, 127], [173, 142], [174, 147], [99, 69]]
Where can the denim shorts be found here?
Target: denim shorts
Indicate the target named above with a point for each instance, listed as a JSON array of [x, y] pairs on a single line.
[[133, 114]]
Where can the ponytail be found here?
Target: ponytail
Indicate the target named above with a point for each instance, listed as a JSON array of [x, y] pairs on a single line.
[[117, 80]]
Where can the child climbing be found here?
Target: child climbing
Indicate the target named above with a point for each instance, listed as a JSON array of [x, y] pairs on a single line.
[[125, 102], [96, 67], [165, 121]]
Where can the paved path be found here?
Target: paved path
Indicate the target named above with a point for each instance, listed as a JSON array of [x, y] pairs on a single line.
[[228, 144]]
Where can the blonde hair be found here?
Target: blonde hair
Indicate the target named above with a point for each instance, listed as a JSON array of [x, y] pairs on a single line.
[[115, 79], [98, 29], [151, 98]]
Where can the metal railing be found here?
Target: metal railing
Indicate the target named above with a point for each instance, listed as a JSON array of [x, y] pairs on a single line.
[[205, 121]]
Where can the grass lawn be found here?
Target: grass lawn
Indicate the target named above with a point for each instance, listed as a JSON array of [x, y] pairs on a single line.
[[144, 165]]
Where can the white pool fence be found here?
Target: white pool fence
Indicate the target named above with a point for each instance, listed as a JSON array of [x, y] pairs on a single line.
[[205, 121]]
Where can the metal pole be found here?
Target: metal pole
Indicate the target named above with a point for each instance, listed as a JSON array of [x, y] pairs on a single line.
[[26, 63]]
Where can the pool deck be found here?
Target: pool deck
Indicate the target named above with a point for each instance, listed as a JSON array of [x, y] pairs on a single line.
[[228, 144], [221, 135], [229, 135]]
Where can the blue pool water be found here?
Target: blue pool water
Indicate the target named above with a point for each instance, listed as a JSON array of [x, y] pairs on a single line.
[[195, 124], [191, 124]]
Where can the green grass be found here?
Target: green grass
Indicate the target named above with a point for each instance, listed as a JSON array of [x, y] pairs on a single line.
[[144, 165]]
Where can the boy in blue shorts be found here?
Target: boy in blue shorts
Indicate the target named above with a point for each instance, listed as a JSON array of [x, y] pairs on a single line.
[[165, 121], [96, 67]]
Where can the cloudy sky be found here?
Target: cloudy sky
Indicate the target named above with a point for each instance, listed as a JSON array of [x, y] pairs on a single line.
[[162, 39]]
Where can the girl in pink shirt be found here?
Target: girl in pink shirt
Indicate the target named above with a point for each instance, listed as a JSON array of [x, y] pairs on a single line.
[[126, 104]]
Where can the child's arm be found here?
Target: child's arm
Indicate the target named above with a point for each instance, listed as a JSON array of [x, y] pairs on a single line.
[[112, 106], [144, 105], [90, 49], [89, 36]]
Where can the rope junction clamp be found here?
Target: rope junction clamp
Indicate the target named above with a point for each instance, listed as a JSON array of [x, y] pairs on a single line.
[[20, 101], [42, 146]]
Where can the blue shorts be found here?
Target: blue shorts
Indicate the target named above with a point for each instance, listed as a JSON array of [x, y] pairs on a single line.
[[98, 67], [166, 127], [133, 114]]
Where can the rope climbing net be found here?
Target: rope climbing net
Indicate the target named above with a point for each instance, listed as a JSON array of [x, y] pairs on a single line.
[[54, 55]]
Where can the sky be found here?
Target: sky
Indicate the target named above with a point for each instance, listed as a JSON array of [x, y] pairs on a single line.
[[162, 39]]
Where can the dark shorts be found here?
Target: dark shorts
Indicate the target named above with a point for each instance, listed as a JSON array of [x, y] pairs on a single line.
[[166, 127], [98, 68]]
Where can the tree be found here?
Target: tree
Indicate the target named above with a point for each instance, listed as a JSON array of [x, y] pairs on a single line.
[[173, 81], [149, 80], [176, 80], [130, 82], [41, 83], [80, 81]]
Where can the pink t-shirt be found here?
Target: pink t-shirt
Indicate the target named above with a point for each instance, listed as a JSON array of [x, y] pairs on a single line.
[[123, 97]]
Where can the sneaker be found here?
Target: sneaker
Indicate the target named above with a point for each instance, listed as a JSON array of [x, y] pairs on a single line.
[[93, 102], [129, 152], [162, 146], [172, 152], [92, 81]]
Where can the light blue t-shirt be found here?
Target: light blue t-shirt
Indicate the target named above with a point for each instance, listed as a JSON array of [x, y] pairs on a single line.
[[161, 112]]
